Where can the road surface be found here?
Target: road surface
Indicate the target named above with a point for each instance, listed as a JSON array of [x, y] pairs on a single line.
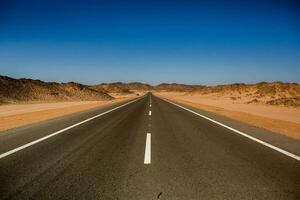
[[145, 149]]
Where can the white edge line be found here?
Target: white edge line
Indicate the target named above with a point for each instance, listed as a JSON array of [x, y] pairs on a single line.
[[60, 131], [240, 132], [147, 158]]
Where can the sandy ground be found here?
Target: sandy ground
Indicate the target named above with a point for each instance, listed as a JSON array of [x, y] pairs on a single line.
[[16, 115], [283, 120]]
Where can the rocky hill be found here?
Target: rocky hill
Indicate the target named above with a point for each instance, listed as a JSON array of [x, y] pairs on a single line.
[[262, 89], [28, 90], [273, 93]]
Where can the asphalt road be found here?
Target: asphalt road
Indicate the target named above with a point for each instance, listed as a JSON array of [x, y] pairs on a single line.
[[108, 157]]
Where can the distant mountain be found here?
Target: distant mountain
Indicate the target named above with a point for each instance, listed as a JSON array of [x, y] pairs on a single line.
[[138, 86], [175, 87], [28, 90], [117, 87], [122, 88]]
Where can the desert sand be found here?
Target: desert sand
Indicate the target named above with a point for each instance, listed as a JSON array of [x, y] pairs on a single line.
[[280, 119], [16, 115]]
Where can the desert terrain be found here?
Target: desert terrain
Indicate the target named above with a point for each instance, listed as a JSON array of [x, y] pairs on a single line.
[[274, 106]]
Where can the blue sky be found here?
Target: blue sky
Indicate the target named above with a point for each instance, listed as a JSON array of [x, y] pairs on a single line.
[[194, 42]]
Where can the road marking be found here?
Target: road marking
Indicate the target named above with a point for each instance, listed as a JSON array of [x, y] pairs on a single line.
[[3, 155], [240, 132], [147, 158], [150, 112], [150, 105]]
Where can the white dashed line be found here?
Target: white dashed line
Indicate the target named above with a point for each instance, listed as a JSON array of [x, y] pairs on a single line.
[[147, 158], [150, 112]]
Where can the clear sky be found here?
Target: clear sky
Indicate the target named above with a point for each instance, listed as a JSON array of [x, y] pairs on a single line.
[[194, 42]]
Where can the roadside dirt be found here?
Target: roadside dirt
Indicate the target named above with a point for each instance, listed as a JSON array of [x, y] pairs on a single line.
[[16, 115]]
